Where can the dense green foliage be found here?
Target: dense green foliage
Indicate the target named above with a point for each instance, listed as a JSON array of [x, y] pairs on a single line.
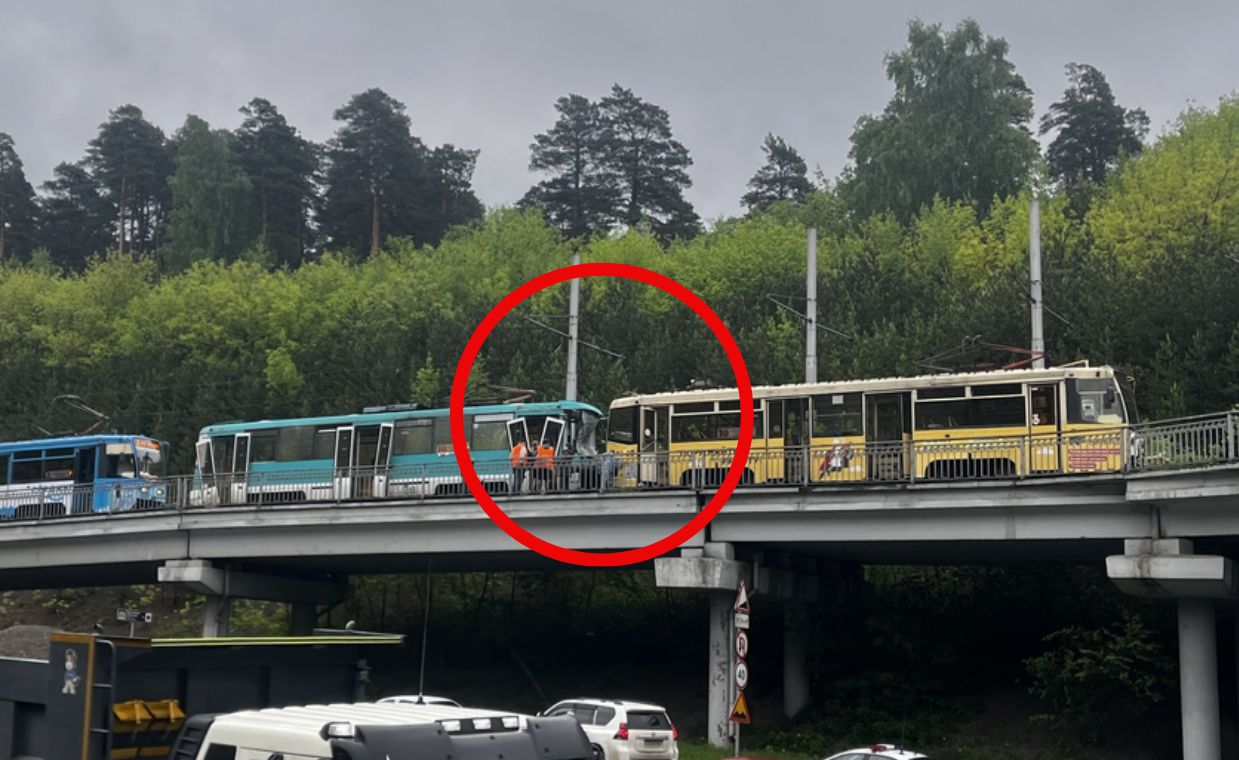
[[166, 355]]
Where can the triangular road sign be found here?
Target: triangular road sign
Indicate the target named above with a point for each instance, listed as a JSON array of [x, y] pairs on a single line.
[[740, 713], [742, 598]]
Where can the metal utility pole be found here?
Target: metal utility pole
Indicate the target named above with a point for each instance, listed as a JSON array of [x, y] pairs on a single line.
[[1034, 264], [574, 326], [810, 336]]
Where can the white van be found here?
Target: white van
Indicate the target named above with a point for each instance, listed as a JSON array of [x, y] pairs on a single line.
[[378, 731]]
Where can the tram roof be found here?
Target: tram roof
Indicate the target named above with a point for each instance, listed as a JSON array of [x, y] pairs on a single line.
[[362, 418], [69, 441], [876, 385]]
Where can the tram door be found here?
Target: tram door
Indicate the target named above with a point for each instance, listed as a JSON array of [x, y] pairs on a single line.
[[84, 480], [886, 417], [1044, 425], [373, 455], [342, 479], [655, 423], [795, 438], [206, 466], [240, 468], [518, 432]]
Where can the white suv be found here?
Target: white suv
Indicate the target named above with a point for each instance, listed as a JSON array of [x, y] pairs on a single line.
[[621, 730]]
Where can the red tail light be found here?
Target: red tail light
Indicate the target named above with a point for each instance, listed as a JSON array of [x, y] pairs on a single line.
[[622, 733], [675, 733]]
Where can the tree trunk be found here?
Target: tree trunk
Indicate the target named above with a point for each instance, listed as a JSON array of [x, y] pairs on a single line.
[[264, 218], [120, 210], [374, 222]]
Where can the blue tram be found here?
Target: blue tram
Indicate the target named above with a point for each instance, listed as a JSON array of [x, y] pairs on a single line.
[[80, 475]]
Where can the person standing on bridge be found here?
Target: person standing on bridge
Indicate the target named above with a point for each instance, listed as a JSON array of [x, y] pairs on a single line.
[[521, 459], [544, 467]]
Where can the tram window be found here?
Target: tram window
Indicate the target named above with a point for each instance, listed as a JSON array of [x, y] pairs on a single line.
[[1093, 401], [691, 428], [414, 437], [222, 446], [489, 436], [29, 471], [997, 412], [324, 443], [694, 408], [443, 431], [293, 444], [4, 469], [263, 445], [941, 414], [60, 467], [1044, 400], [623, 425], [837, 414], [729, 406], [1002, 389], [931, 393]]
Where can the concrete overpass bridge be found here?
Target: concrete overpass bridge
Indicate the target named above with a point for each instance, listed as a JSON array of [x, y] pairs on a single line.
[[1167, 530]]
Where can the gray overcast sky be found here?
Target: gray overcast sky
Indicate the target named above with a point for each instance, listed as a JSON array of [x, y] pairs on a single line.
[[486, 74]]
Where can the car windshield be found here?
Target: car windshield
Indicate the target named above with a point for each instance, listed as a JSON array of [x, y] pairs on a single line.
[[657, 721]]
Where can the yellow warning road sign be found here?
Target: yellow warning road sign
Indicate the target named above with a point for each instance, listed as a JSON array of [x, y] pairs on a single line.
[[740, 713]]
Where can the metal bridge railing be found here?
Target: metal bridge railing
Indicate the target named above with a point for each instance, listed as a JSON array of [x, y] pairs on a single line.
[[1171, 444]]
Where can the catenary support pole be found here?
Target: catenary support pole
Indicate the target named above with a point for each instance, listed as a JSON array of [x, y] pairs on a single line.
[[810, 337], [1198, 701], [1034, 266], [574, 320]]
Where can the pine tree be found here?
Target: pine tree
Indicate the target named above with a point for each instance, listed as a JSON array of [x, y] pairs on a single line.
[[382, 181], [1093, 131], [211, 198], [18, 210], [75, 219], [281, 166], [647, 165], [131, 161], [580, 196], [454, 202], [781, 178]]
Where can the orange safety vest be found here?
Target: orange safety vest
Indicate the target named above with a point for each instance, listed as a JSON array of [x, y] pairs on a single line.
[[519, 454], [546, 458]]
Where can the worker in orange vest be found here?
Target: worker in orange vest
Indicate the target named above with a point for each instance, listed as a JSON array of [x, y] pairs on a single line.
[[544, 466], [520, 466]]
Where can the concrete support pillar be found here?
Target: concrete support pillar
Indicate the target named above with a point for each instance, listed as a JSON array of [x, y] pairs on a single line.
[[215, 616], [795, 659], [722, 650], [304, 616], [1167, 568], [1202, 738]]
